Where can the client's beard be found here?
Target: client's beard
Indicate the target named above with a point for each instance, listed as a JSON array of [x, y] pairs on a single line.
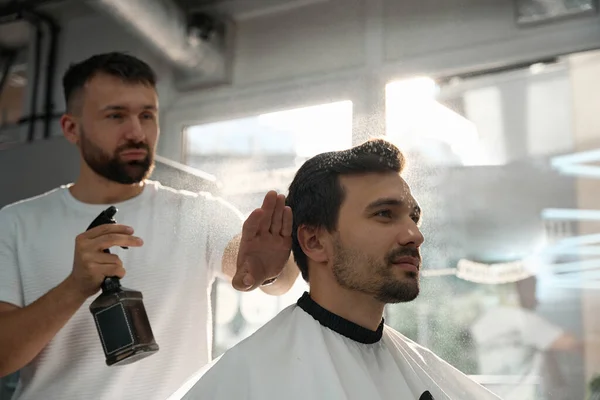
[[355, 271]]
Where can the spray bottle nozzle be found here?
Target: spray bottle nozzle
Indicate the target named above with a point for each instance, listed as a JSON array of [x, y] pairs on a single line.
[[105, 217]]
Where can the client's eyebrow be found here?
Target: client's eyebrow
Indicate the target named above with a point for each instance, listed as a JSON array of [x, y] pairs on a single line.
[[387, 201], [393, 202], [115, 107]]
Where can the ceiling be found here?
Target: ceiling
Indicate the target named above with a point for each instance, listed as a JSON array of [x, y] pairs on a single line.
[[244, 9], [16, 34], [234, 8], [61, 10]]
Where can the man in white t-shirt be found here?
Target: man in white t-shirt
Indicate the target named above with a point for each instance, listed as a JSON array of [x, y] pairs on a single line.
[[512, 342], [51, 268]]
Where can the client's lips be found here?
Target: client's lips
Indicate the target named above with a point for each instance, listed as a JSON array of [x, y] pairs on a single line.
[[408, 263]]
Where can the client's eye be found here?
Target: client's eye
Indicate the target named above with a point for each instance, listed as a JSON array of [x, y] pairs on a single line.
[[417, 219], [384, 213]]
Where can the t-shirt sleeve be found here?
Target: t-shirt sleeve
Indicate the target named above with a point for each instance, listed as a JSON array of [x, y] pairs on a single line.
[[224, 223], [11, 287], [538, 332]]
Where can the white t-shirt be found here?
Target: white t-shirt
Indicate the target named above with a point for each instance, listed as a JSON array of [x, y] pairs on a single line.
[[184, 236], [511, 341]]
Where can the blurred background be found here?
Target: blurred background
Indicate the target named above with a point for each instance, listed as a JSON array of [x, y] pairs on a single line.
[[496, 104]]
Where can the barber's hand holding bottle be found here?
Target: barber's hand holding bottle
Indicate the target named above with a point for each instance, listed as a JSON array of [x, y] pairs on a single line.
[[91, 264]]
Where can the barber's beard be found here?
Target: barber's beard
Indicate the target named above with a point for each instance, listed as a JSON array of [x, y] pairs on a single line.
[[354, 270], [114, 169]]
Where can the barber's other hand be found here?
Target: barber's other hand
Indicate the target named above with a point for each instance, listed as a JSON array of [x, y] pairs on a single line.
[[265, 244], [91, 264]]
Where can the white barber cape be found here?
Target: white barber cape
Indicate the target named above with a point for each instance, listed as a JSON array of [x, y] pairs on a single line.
[[306, 352]]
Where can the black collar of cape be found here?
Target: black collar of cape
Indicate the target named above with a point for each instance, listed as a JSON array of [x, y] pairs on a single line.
[[338, 324]]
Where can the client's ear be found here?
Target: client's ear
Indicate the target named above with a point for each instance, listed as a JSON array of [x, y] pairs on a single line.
[[312, 243]]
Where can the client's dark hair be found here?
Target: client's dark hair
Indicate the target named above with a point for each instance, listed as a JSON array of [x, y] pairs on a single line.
[[316, 194], [121, 65]]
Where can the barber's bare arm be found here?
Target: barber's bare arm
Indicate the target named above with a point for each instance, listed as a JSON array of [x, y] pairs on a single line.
[[567, 342], [26, 331]]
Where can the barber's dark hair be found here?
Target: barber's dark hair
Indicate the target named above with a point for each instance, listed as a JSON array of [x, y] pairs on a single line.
[[315, 195], [121, 65]]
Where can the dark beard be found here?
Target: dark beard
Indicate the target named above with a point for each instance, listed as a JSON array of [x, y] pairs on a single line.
[[378, 278], [112, 168]]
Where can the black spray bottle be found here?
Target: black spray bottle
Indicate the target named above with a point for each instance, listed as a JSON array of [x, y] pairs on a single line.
[[120, 316]]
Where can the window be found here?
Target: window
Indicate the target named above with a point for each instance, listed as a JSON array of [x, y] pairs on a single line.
[[482, 161], [488, 120], [426, 128], [251, 156]]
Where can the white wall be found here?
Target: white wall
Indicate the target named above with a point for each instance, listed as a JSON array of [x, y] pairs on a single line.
[[468, 33]]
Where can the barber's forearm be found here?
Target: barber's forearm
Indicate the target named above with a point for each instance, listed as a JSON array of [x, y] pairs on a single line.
[[26, 331], [566, 342], [285, 281], [229, 261]]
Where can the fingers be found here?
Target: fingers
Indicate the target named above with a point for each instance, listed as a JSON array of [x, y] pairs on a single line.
[[107, 259], [287, 223], [91, 264], [119, 272], [242, 280], [115, 239], [106, 229], [106, 236], [93, 267], [251, 225], [108, 269], [277, 220], [274, 217], [103, 260], [268, 207]]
